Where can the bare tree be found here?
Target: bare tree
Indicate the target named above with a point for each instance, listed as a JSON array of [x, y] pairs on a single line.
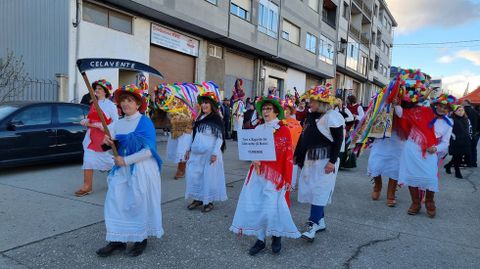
[[13, 78]]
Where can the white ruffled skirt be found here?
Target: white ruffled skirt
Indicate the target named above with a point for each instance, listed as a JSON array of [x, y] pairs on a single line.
[[263, 211], [205, 182], [416, 170], [133, 203], [314, 186], [176, 148], [384, 158]]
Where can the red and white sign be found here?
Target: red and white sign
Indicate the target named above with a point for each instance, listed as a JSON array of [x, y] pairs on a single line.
[[170, 39]]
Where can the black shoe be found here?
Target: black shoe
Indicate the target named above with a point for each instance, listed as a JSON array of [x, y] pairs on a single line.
[[276, 244], [110, 248], [458, 174], [259, 245], [137, 248]]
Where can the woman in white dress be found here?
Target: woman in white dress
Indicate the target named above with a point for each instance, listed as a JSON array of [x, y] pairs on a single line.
[[132, 204], [317, 154], [94, 158], [263, 208], [205, 176]]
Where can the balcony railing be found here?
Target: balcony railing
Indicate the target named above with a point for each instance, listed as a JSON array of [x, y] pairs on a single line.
[[358, 2], [364, 7], [331, 23], [367, 10], [355, 32], [365, 39]]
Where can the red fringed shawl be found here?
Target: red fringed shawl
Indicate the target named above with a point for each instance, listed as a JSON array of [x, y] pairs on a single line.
[[415, 123], [279, 172], [96, 135]]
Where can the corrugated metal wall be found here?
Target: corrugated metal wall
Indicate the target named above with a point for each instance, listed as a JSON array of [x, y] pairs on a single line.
[[37, 30]]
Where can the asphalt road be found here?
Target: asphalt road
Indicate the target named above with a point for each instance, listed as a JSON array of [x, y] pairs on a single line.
[[43, 225]]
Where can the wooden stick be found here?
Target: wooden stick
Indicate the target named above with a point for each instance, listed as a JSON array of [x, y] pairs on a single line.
[[99, 111]]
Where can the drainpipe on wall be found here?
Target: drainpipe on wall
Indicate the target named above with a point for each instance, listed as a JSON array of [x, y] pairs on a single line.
[[279, 27], [76, 25]]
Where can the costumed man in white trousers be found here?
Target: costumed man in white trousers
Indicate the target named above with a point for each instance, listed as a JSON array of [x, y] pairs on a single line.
[[317, 153], [384, 159]]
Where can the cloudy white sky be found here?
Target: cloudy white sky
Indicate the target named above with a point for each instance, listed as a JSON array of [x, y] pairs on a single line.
[[438, 21]]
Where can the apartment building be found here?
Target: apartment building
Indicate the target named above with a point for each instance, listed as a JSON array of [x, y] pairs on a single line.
[[365, 38], [269, 44]]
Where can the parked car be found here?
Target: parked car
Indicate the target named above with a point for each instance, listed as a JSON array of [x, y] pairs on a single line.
[[33, 132]]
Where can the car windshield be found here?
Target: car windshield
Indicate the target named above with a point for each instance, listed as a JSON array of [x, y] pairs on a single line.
[[5, 110]]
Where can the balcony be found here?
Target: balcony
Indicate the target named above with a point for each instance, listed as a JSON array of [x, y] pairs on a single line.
[[367, 11], [358, 2], [365, 40], [355, 32], [328, 21]]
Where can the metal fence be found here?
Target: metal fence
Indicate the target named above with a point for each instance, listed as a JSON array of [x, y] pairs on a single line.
[[30, 90]]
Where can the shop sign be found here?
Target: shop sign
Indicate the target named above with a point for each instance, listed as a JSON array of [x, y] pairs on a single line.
[[173, 40]]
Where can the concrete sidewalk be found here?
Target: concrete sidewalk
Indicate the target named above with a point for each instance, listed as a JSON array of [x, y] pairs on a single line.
[[44, 226]]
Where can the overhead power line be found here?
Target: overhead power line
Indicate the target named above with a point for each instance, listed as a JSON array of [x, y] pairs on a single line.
[[437, 43]]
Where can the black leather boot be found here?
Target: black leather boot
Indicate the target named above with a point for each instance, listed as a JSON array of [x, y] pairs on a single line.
[[259, 246], [110, 248], [458, 174], [276, 244], [137, 248]]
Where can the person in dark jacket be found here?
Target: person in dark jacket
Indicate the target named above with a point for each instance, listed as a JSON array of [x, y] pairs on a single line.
[[460, 141], [225, 110], [248, 117], [474, 118]]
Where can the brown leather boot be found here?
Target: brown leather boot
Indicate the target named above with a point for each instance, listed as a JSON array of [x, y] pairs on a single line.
[[415, 207], [430, 204], [377, 188], [392, 188], [180, 170]]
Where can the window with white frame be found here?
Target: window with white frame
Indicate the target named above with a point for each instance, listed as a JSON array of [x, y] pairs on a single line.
[[106, 17], [215, 51], [241, 8], [268, 18], [311, 44], [326, 50], [313, 4], [352, 55], [291, 32], [363, 66]]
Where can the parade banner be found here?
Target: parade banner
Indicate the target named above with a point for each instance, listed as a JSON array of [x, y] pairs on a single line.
[[256, 144]]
